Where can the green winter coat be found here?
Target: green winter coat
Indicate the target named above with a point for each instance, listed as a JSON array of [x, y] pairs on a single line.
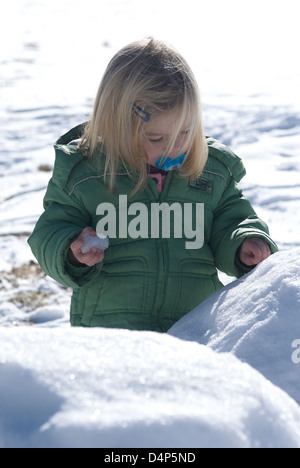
[[143, 283]]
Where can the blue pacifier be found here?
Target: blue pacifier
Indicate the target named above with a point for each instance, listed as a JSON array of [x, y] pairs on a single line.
[[169, 163]]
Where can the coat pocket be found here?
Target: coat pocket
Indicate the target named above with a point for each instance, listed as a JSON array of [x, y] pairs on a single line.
[[121, 289], [194, 286]]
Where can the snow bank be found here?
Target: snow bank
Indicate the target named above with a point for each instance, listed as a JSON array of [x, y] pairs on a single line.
[[257, 318], [117, 388]]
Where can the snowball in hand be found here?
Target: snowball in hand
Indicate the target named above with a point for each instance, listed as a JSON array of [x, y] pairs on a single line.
[[94, 241]]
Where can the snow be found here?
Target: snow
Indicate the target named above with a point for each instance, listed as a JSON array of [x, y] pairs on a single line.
[[94, 241], [229, 375], [78, 388], [256, 318]]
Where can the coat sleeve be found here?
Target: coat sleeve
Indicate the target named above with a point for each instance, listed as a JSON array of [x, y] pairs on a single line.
[[235, 221], [63, 220]]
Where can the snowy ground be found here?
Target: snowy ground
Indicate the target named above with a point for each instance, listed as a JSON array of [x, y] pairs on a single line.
[[62, 387], [72, 388]]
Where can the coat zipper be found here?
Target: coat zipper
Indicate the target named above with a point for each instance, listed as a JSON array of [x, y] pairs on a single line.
[[161, 282]]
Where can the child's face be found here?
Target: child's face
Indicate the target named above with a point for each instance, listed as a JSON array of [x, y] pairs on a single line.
[[158, 134]]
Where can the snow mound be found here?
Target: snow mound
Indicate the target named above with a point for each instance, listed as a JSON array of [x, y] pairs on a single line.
[[118, 388], [257, 318]]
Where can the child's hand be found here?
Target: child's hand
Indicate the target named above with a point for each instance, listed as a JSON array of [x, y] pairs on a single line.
[[91, 258], [254, 251]]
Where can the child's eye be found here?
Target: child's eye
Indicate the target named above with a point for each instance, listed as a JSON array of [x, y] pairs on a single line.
[[163, 138], [156, 140]]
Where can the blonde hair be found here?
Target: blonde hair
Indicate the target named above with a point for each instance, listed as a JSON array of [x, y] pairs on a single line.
[[143, 80]]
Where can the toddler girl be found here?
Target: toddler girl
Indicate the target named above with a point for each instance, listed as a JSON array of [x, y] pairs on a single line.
[[142, 172]]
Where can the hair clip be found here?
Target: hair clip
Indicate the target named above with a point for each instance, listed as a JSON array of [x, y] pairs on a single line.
[[141, 113]]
